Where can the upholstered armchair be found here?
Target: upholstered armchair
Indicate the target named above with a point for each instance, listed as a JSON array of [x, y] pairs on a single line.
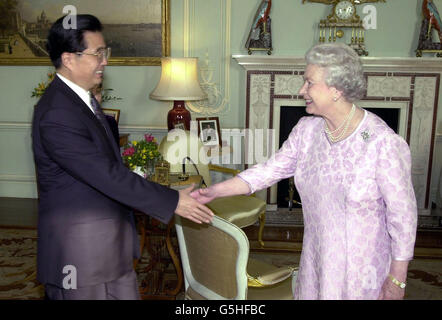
[[185, 151], [216, 265]]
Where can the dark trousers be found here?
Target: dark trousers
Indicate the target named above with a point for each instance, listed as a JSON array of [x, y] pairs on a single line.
[[123, 288]]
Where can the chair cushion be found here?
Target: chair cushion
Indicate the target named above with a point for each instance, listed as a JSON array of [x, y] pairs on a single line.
[[279, 291], [242, 211]]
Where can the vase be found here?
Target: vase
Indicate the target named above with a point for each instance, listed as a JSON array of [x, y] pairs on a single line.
[[150, 169], [139, 170]]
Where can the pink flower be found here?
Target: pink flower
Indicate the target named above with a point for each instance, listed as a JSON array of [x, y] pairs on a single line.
[[149, 137], [129, 151]]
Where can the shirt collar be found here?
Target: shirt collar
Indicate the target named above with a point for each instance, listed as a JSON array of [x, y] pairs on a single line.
[[82, 93]]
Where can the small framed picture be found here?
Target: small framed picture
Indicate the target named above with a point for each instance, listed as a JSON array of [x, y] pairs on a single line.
[[209, 131], [115, 113], [179, 125]]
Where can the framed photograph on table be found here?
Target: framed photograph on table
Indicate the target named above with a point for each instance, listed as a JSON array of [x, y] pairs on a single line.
[[115, 113], [137, 31], [209, 131]]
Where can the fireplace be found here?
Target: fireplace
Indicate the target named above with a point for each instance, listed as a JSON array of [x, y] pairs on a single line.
[[405, 89]]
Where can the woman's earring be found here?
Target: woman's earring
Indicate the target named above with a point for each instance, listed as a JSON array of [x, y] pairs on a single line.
[[335, 99]]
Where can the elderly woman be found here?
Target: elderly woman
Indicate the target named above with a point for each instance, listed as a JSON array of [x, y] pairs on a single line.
[[353, 174]]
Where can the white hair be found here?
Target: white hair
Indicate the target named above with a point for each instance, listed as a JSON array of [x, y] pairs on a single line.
[[343, 68]]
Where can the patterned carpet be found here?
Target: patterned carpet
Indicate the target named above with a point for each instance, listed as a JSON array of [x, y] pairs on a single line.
[[18, 261], [18, 249]]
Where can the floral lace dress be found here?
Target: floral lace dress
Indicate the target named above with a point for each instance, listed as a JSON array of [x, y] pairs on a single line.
[[358, 204]]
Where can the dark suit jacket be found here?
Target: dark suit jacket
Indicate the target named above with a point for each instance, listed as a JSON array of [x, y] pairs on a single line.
[[86, 194]]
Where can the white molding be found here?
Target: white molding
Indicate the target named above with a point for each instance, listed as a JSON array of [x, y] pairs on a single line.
[[190, 23], [227, 50], [17, 178], [250, 62], [136, 129], [9, 125], [186, 28], [142, 129]]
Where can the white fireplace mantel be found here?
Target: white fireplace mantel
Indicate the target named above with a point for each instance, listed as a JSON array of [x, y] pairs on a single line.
[[411, 85], [250, 62]]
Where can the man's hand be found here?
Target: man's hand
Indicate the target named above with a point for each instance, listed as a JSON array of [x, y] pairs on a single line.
[[203, 195], [191, 209]]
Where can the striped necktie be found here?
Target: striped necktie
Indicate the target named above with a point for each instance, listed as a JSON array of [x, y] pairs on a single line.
[[99, 114]]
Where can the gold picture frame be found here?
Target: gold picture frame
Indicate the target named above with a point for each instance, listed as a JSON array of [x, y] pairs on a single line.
[[115, 113], [14, 39]]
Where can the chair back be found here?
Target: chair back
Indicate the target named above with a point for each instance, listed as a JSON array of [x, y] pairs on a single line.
[[179, 144], [214, 258]]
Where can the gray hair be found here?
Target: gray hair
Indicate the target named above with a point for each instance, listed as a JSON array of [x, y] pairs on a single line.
[[342, 66]]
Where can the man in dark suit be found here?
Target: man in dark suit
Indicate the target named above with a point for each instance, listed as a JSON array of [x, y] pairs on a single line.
[[86, 233]]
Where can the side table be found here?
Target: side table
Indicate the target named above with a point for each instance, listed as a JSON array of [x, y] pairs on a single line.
[[156, 237]]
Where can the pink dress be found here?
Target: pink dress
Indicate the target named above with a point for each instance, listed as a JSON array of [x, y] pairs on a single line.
[[358, 204]]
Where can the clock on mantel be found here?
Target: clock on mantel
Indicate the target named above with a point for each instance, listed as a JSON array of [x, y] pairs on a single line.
[[343, 17]]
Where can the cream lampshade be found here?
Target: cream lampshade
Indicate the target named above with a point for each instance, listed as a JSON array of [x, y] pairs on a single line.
[[178, 82]]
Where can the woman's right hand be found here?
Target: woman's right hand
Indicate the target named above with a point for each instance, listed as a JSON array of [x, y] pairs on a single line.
[[230, 187], [204, 196]]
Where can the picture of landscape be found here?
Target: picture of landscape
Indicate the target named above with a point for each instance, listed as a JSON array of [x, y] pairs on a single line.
[[132, 28]]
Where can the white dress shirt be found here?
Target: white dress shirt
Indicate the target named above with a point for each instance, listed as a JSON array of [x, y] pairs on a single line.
[[83, 94]]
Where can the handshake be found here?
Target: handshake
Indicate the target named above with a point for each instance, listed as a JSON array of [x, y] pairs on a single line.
[[191, 203]]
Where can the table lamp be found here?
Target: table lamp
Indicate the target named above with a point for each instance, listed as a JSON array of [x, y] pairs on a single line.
[[178, 82]]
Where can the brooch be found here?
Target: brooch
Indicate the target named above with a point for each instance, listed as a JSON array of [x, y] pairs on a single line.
[[365, 135]]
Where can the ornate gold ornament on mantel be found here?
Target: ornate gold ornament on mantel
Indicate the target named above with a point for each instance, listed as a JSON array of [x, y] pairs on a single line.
[[431, 22], [343, 17]]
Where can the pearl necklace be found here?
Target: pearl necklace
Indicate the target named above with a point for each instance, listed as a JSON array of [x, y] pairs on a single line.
[[345, 124]]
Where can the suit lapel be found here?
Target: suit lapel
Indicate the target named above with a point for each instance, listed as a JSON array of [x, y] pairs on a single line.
[[79, 104]]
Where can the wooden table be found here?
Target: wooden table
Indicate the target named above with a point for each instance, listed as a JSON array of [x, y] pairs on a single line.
[[150, 228]]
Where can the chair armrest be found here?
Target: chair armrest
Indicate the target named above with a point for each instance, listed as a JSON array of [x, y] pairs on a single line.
[[214, 167], [270, 278]]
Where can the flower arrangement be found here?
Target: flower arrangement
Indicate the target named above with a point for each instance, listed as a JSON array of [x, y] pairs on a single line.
[[42, 86], [141, 153]]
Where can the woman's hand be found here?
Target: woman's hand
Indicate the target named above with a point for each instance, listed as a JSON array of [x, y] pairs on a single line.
[[204, 195], [390, 291], [231, 187]]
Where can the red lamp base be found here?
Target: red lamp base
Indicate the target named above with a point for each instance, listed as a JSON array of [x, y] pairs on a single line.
[[178, 116]]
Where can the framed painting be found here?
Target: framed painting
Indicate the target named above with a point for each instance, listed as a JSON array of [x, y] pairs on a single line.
[[138, 31], [209, 131]]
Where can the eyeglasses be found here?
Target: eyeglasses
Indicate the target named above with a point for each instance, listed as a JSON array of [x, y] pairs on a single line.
[[101, 54]]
